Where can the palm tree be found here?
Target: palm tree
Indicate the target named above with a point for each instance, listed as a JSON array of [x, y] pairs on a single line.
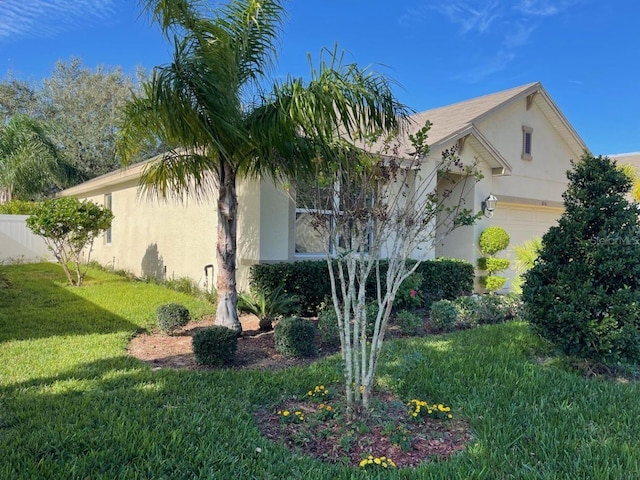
[[211, 107], [30, 163]]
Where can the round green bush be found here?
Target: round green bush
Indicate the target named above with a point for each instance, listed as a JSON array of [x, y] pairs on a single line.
[[444, 315], [215, 346], [409, 322], [328, 327], [171, 317], [467, 311], [490, 309], [493, 239], [294, 337]]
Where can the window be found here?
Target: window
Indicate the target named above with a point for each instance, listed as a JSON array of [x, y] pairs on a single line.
[[527, 138], [320, 224], [311, 220], [107, 233]]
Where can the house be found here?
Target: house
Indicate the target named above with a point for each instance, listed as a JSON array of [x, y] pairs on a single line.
[[521, 140]]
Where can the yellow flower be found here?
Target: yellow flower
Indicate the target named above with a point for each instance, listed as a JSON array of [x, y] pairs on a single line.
[[329, 408], [363, 462], [392, 463], [285, 413], [377, 461], [450, 416], [415, 414], [310, 393]]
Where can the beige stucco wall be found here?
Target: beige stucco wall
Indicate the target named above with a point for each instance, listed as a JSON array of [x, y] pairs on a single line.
[[157, 238], [543, 178]]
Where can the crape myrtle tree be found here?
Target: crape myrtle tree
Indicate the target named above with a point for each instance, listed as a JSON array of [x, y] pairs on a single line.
[[583, 292], [210, 105], [69, 227], [378, 211]]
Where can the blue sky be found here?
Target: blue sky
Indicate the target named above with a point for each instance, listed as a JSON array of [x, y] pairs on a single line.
[[585, 52]]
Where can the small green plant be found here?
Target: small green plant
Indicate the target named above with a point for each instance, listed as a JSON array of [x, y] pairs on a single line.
[[268, 307], [328, 327], [382, 462], [287, 416], [294, 337], [171, 317], [419, 409], [409, 322], [325, 412], [319, 392], [467, 311], [444, 315], [215, 346]]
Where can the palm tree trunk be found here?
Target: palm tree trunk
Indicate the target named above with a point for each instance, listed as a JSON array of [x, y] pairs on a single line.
[[226, 313]]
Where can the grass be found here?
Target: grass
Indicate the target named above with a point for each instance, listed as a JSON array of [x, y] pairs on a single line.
[[74, 405]]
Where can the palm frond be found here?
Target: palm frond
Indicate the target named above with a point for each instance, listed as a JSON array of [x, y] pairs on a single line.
[[179, 173]]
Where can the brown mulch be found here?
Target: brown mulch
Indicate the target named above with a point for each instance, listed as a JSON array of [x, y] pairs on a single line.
[[332, 440], [256, 349]]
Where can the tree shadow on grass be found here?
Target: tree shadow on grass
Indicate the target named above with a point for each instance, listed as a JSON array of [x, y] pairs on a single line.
[[36, 305]]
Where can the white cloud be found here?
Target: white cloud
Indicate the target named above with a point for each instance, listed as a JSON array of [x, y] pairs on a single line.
[[471, 16], [544, 8], [42, 18]]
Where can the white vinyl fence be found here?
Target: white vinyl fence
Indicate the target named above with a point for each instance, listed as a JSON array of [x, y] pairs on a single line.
[[18, 244]]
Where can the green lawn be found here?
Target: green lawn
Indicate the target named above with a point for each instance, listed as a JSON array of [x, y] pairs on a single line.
[[74, 405]]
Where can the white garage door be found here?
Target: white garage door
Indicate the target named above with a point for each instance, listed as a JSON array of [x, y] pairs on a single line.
[[522, 223]]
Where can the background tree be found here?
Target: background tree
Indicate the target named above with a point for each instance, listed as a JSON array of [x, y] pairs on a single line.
[[31, 165], [69, 227], [377, 211], [583, 293], [81, 108], [209, 106]]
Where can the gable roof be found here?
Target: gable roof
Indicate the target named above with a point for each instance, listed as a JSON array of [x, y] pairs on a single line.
[[452, 123]]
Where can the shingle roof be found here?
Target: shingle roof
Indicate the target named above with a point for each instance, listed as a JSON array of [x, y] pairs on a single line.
[[451, 119]]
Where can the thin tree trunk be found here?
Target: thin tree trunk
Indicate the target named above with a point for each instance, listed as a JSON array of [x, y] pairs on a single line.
[[226, 313]]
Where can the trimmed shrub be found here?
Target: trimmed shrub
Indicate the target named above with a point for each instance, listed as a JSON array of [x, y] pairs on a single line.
[[493, 264], [294, 337], [467, 311], [493, 239], [215, 346], [493, 283], [309, 280], [490, 309], [171, 317], [444, 315], [410, 323], [18, 207], [328, 327]]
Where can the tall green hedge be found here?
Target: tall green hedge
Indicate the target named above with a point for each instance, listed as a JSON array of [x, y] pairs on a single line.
[[442, 279]]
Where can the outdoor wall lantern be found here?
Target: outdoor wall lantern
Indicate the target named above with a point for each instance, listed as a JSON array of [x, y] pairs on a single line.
[[489, 205]]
